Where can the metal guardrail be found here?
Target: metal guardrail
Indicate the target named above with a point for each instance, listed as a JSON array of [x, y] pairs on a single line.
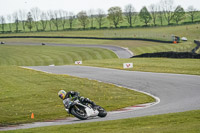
[[104, 38]]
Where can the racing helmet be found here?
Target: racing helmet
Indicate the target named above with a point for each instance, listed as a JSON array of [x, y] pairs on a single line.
[[62, 94]]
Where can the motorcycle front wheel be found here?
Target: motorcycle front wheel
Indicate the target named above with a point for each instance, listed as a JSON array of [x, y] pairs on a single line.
[[79, 113]]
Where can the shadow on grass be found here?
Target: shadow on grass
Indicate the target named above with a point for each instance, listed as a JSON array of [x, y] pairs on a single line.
[[170, 55]]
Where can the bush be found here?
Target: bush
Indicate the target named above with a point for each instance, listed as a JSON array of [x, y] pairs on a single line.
[[104, 27], [170, 55], [124, 27], [92, 28]]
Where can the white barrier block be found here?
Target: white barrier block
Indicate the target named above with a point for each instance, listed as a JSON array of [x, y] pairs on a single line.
[[127, 65], [78, 62], [52, 65]]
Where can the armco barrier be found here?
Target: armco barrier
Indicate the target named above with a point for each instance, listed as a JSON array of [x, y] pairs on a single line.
[[104, 38]]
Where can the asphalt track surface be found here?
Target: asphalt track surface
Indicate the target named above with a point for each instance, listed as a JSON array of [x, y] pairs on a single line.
[[173, 92]]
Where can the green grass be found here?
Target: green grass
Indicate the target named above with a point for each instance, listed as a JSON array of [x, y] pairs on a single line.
[[185, 122], [46, 55], [161, 65], [163, 33]]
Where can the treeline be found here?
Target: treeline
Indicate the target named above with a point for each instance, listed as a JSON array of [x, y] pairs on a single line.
[[162, 13]]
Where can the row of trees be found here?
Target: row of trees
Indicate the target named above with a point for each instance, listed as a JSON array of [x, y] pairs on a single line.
[[164, 10]]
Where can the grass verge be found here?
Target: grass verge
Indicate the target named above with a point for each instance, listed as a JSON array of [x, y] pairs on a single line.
[[184, 122], [46, 55], [160, 65]]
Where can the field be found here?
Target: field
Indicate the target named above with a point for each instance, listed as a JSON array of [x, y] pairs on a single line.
[[47, 55], [25, 91], [164, 33], [161, 65]]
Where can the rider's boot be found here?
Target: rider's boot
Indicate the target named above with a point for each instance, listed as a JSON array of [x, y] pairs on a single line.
[[87, 100]]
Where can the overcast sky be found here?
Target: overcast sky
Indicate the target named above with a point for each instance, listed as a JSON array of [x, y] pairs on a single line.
[[10, 6]]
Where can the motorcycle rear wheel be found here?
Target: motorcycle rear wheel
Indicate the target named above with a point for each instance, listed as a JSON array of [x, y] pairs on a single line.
[[102, 111]]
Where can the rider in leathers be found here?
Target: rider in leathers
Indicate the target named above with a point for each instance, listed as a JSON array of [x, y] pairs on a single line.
[[74, 95]]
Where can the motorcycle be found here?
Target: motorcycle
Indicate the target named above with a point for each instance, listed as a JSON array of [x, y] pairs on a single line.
[[83, 111]]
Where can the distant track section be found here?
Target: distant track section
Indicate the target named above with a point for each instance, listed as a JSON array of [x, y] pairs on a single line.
[[119, 51], [103, 38]]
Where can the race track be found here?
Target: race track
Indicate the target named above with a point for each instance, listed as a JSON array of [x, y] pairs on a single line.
[[119, 51], [174, 92], [177, 93]]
